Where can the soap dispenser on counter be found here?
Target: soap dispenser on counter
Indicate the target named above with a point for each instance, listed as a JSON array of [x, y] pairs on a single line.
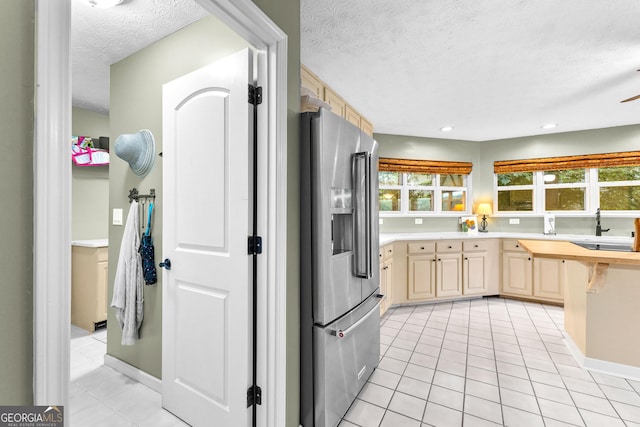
[[549, 224]]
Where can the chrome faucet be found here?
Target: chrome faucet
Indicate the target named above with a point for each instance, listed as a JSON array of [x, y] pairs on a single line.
[[599, 229]]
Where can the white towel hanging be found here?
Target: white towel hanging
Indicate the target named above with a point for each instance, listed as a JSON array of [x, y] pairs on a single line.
[[128, 285]]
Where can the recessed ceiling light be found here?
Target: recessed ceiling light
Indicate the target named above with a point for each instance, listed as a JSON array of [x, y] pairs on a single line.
[[550, 126], [446, 129], [104, 4]]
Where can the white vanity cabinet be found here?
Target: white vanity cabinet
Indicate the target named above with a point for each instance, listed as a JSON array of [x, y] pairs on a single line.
[[89, 279]]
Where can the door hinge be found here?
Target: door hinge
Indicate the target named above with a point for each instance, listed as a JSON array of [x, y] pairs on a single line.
[[255, 95], [254, 396], [255, 245]]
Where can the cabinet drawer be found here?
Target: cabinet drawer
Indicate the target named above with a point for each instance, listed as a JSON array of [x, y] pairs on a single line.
[[475, 245], [512, 245], [444, 247], [387, 252], [421, 248]]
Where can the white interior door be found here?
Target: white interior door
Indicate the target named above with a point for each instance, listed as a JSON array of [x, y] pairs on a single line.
[[206, 351]]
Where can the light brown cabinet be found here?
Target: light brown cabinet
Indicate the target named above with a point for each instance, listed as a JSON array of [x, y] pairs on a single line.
[[449, 275], [89, 279], [386, 277], [526, 276], [475, 267], [338, 105], [421, 275], [549, 278], [311, 82], [434, 270]]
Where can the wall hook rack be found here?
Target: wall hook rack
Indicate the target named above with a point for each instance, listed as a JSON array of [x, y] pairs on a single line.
[[133, 195]]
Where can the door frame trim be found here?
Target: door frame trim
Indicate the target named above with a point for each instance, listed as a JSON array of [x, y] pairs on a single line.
[[52, 200]]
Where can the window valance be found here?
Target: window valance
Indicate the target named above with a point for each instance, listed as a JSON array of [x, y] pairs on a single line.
[[626, 158], [424, 166]]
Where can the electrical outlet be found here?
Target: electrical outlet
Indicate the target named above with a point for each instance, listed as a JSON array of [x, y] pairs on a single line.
[[514, 220], [117, 217], [418, 221], [380, 221]]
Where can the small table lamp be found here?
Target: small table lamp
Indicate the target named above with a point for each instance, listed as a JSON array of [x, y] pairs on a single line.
[[483, 209]]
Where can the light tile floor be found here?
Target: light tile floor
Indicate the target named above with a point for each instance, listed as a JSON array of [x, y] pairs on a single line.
[[102, 397], [486, 362]]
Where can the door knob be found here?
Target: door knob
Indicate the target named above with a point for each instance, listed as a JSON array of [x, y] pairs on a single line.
[[166, 264]]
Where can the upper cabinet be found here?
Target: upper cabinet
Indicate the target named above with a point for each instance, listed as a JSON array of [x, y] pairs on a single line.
[[337, 103]]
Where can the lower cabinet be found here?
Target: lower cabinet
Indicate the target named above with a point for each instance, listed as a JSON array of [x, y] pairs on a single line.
[[549, 278], [526, 276], [421, 277], [386, 277], [449, 275], [475, 267], [474, 273], [436, 272], [89, 278], [517, 278]]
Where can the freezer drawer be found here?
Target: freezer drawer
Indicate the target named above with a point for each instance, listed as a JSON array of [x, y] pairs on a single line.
[[346, 353]]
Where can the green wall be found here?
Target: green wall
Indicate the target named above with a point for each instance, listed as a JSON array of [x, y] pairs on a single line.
[[131, 84], [16, 190], [90, 185], [483, 154], [136, 103]]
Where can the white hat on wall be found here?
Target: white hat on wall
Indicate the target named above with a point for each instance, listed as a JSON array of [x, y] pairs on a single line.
[[138, 149]]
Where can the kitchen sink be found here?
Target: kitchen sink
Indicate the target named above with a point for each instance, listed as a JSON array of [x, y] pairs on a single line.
[[618, 247]]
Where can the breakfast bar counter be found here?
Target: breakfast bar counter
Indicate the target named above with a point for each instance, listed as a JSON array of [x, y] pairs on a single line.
[[601, 297], [571, 251]]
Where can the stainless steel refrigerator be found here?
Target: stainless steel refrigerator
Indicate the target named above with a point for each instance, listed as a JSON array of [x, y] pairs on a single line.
[[340, 315]]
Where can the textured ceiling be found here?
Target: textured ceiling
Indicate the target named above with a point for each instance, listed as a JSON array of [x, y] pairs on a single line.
[[492, 69], [101, 37]]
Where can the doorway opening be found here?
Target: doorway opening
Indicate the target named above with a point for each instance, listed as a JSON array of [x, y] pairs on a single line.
[[52, 217]]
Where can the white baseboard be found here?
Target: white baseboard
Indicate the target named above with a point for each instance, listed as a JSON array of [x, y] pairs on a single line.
[[134, 373], [602, 366]]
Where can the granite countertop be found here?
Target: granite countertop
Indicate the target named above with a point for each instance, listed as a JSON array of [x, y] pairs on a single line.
[[93, 243], [393, 237]]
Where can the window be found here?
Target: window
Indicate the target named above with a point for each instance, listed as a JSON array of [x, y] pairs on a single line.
[[577, 184], [432, 187], [412, 193], [515, 191], [619, 188], [564, 190]]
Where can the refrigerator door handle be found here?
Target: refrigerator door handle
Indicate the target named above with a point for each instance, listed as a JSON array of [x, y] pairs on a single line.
[[344, 333], [362, 188]]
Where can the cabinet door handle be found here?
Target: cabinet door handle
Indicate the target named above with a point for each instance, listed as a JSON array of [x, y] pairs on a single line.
[[476, 246], [449, 247], [466, 258], [422, 247], [529, 259], [517, 246]]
